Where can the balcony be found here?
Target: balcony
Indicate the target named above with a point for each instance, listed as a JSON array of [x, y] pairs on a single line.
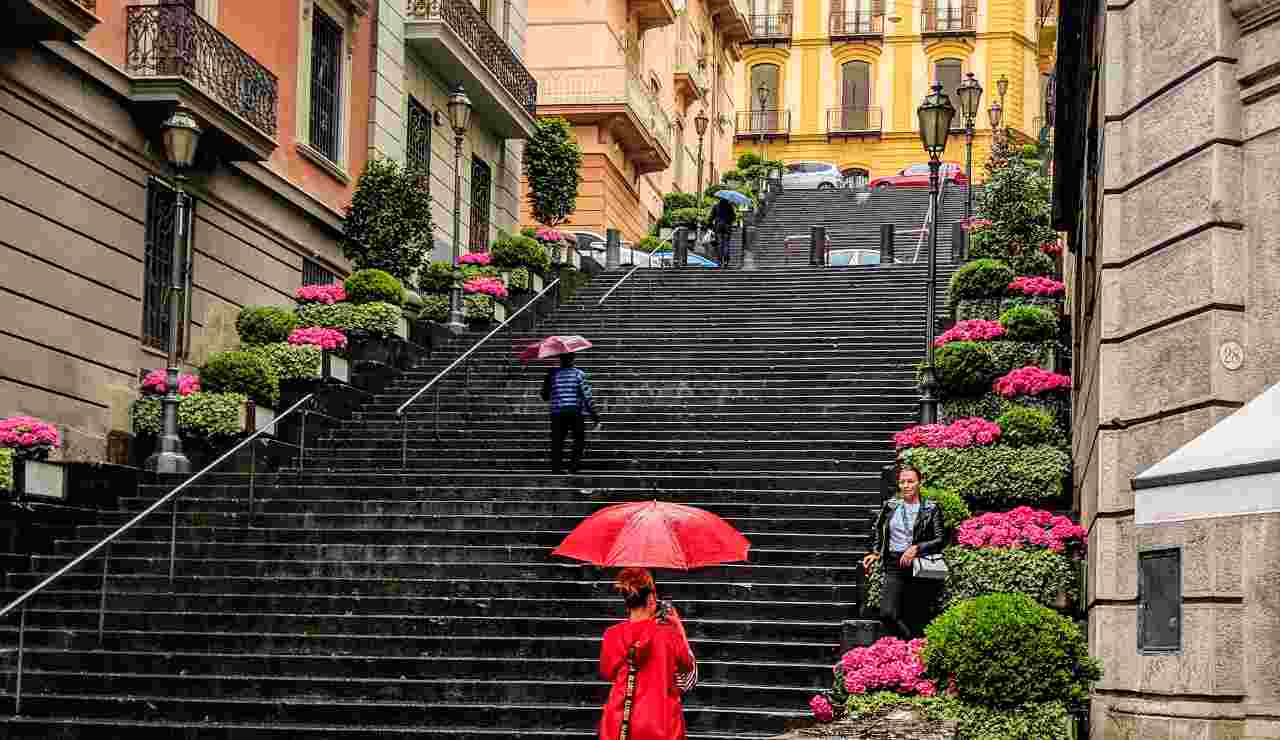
[[613, 98], [176, 58], [770, 30], [731, 17], [459, 43], [848, 122], [652, 13], [949, 19], [763, 124], [691, 65], [855, 26], [25, 21]]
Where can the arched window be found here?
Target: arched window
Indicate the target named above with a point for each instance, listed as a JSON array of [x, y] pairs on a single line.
[[855, 177], [949, 73], [855, 95], [764, 111]]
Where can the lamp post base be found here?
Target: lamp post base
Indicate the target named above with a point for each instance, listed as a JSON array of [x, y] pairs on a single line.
[[929, 397], [169, 462], [456, 323]]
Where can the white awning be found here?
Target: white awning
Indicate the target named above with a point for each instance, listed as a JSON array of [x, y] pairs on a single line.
[[1232, 468]]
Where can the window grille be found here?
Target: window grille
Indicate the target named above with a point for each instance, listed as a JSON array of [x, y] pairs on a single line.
[[481, 189], [314, 273], [418, 151], [326, 84]]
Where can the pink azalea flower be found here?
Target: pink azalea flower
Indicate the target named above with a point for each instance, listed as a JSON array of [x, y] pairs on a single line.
[[326, 294], [475, 258], [326, 339], [888, 664], [486, 285], [1053, 248], [26, 432], [1037, 286], [550, 236], [822, 709], [156, 383], [970, 330], [1030, 381], [1021, 527], [960, 433]]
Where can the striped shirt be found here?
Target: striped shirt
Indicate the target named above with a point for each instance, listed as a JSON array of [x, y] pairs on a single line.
[[568, 390]]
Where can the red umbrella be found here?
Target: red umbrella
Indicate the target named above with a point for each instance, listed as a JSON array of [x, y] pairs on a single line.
[[654, 534], [553, 346]]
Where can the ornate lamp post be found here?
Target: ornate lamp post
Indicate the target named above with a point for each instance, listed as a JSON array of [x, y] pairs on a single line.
[[700, 123], [763, 94], [181, 138], [460, 118], [970, 95], [1002, 87], [995, 114], [935, 114]]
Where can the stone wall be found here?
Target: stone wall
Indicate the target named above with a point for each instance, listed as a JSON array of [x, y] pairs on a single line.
[[897, 724]]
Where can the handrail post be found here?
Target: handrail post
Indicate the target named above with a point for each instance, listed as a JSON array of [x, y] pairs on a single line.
[[102, 596], [22, 645], [404, 442], [302, 442], [435, 417], [173, 540], [253, 472]]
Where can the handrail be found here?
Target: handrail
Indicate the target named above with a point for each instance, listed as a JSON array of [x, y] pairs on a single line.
[[930, 221], [474, 347], [24, 598], [652, 252]]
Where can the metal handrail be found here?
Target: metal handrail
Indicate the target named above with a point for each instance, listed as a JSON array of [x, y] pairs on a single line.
[[652, 252], [930, 220]]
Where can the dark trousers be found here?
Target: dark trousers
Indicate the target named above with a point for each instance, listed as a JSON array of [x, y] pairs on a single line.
[[723, 234], [898, 597], [563, 422]]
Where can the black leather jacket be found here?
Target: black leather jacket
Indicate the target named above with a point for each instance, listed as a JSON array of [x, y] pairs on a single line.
[[929, 534]]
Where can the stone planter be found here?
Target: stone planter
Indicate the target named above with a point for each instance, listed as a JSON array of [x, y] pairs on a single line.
[[364, 348], [335, 366], [402, 326], [535, 282], [499, 311], [294, 389], [35, 477]]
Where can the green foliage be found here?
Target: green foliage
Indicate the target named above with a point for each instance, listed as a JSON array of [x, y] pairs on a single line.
[[552, 164], [977, 308], [1035, 721], [983, 278], [964, 368], [676, 201], [954, 509], [211, 415], [1015, 199], [244, 372], [1034, 262], [510, 252], [987, 406], [439, 277], [1027, 426], [435, 307], [265, 324], [520, 279], [1006, 356], [336, 316], [1039, 573], [290, 361], [571, 280], [871, 584], [1004, 650], [747, 161], [996, 475], [378, 319], [144, 415], [369, 286], [1029, 324], [650, 243], [388, 223], [686, 217], [6, 469], [477, 307]]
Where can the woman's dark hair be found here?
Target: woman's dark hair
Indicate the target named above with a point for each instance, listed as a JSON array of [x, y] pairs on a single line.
[[635, 585], [905, 467]]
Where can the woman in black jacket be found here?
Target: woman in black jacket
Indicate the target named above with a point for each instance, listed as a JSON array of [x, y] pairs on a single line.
[[906, 528]]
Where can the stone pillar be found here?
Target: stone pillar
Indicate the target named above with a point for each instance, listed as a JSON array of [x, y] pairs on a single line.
[[887, 232], [680, 248], [817, 246], [612, 249], [959, 243]]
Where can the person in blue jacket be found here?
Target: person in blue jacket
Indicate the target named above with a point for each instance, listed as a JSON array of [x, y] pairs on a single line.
[[567, 389]]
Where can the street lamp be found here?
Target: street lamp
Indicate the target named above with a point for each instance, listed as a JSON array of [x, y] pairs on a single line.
[[181, 138], [763, 94], [970, 95], [460, 118], [700, 123], [995, 114], [1002, 87], [935, 114]]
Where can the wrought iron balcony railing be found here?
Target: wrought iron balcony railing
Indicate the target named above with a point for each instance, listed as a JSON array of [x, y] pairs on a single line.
[[476, 33], [855, 121], [171, 40], [855, 24], [948, 17], [689, 57], [763, 123], [771, 26]]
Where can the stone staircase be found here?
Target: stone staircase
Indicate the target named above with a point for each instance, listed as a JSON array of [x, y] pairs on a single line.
[[366, 597]]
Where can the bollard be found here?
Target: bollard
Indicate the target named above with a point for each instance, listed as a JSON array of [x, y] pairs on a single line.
[[680, 248], [959, 243], [817, 246], [886, 244], [749, 236], [612, 249]]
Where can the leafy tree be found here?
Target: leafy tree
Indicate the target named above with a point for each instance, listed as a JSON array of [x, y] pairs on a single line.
[[552, 164], [388, 222], [1016, 201]]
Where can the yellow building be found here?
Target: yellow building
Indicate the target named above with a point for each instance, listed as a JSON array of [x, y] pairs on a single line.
[[839, 80]]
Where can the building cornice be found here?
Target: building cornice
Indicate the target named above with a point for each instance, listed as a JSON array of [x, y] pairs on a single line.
[[1253, 14]]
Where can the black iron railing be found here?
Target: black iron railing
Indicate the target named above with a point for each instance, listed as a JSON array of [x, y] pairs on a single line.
[[949, 17], [771, 26], [763, 122], [475, 32], [171, 40], [855, 24], [854, 120]]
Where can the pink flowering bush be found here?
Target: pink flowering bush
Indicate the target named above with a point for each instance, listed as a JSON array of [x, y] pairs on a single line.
[[1022, 527], [1037, 286], [889, 664], [157, 383], [486, 285], [319, 336], [548, 235], [821, 708], [971, 330], [475, 258], [326, 294], [1030, 381], [1053, 248], [969, 432], [28, 435], [975, 224]]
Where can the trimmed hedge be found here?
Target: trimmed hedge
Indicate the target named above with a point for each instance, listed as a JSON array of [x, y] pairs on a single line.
[[978, 308], [954, 509], [1027, 426], [6, 469], [1035, 262], [477, 307], [1033, 721], [1039, 573], [335, 316], [374, 286], [439, 277], [435, 307], [378, 319], [265, 324], [512, 252], [211, 415], [983, 278], [995, 476], [1029, 324], [290, 361], [968, 369], [244, 372]]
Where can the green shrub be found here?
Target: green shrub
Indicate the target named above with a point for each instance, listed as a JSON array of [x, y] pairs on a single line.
[[211, 415], [687, 217], [747, 160], [378, 319], [475, 271], [1035, 721], [977, 308], [677, 201], [984, 278], [336, 316], [520, 279], [6, 469], [648, 244], [265, 324], [571, 281], [871, 584], [954, 509], [387, 225], [144, 415], [241, 372], [1009, 355], [996, 475], [1039, 573], [964, 368], [439, 277], [290, 361], [1029, 324], [1027, 426], [1034, 262], [987, 406], [371, 286], [1004, 650], [435, 308], [511, 252], [477, 307]]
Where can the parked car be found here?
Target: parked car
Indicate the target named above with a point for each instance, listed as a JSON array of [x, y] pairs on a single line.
[[917, 176], [810, 175]]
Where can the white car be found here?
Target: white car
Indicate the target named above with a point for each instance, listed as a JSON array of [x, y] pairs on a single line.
[[811, 175]]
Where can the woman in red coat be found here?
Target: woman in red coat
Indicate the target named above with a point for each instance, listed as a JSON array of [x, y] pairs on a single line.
[[657, 648]]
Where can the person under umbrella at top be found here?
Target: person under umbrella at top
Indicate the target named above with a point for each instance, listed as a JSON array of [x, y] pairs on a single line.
[[569, 393]]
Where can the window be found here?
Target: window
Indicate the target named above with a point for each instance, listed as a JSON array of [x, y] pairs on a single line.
[[314, 273], [326, 84], [851, 16], [418, 142], [855, 91], [949, 73], [950, 15], [764, 117], [678, 174], [164, 228], [481, 189], [856, 177], [1160, 601]]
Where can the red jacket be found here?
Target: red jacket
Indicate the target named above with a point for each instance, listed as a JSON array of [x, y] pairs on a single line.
[[656, 712]]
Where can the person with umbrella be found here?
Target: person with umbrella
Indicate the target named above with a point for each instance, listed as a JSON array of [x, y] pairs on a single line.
[[569, 393], [723, 215]]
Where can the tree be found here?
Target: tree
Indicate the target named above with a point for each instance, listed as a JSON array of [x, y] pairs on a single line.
[[1015, 198], [388, 222], [552, 164]]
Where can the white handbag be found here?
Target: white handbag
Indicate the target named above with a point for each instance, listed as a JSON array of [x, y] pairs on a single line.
[[929, 567]]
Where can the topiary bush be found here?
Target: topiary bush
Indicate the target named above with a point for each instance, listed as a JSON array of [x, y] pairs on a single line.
[[387, 225], [378, 319], [1027, 426], [964, 368], [1034, 721], [144, 415], [242, 372], [477, 307], [1004, 650], [336, 316], [211, 416], [687, 217], [1044, 575], [977, 308], [435, 308], [265, 324], [513, 252], [983, 278], [372, 286], [998, 475], [1029, 324], [1007, 355], [1034, 262], [954, 509], [439, 277], [290, 361], [6, 469]]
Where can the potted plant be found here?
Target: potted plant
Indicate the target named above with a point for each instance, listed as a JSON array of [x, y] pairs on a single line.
[[30, 440], [553, 165], [484, 299], [297, 364], [332, 346], [211, 422], [245, 372], [376, 317]]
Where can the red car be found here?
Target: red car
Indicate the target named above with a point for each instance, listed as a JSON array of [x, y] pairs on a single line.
[[917, 176]]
